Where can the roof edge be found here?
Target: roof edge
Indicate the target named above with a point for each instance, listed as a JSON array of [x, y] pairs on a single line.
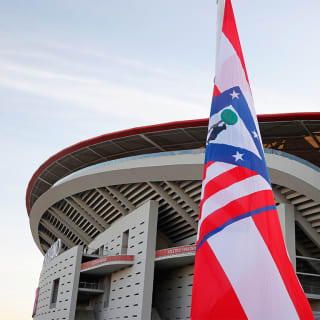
[[154, 128], [110, 136]]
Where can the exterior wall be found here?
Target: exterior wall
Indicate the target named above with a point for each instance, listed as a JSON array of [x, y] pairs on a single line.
[[66, 267], [128, 292], [173, 290]]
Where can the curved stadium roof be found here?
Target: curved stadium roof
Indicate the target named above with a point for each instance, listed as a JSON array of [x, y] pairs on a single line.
[[295, 133]]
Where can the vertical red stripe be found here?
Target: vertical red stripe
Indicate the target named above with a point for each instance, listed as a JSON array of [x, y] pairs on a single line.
[[229, 28], [269, 227], [212, 294], [216, 91], [205, 168]]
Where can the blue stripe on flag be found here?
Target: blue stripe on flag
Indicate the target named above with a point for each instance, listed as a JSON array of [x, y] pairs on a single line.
[[235, 219]]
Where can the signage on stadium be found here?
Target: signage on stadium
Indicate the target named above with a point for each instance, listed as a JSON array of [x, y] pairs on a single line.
[[52, 252], [175, 251]]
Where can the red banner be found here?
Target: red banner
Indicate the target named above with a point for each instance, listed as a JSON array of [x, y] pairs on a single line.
[[99, 261], [174, 251]]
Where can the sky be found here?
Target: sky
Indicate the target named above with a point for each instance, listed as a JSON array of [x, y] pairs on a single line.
[[72, 70]]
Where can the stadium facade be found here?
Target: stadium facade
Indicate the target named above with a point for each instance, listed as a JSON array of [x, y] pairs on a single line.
[[116, 217]]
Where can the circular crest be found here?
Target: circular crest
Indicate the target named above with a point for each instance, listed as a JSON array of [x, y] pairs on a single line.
[[229, 117]]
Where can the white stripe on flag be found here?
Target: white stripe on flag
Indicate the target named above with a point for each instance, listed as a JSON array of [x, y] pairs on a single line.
[[235, 191], [215, 170], [230, 64], [250, 268]]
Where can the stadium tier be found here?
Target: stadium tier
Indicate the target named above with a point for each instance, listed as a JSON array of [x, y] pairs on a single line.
[[116, 217]]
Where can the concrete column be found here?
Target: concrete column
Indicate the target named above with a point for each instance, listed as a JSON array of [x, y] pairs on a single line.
[[152, 220], [287, 221]]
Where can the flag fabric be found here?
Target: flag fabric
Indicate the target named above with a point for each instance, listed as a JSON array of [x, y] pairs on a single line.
[[242, 268]]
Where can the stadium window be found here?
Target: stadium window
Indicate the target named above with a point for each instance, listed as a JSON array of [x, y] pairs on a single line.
[[54, 293], [125, 238]]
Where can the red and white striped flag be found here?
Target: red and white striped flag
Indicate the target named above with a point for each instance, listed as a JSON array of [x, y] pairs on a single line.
[[242, 269]]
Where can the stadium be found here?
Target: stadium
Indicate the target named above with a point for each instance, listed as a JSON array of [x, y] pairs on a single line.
[[116, 217]]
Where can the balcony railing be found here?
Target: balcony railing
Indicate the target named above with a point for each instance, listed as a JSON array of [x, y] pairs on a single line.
[[308, 272], [96, 252], [90, 285]]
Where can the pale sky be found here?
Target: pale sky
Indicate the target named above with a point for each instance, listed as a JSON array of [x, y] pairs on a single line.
[[71, 70]]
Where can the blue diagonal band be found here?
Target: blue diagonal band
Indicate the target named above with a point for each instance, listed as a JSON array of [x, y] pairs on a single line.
[[235, 219]]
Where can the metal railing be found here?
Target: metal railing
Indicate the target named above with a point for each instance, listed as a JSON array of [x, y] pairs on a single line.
[[308, 272], [90, 285], [96, 252], [105, 252]]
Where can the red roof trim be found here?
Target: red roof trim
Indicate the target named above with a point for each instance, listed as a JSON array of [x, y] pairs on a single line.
[[110, 136], [154, 128], [289, 116]]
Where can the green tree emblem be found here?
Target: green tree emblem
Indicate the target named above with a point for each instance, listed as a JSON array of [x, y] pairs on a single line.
[[229, 117]]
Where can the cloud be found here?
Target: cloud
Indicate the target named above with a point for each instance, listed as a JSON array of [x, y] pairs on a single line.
[[97, 94], [59, 54]]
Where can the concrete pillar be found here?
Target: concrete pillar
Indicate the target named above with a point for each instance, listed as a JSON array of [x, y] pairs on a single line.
[[152, 220], [287, 221]]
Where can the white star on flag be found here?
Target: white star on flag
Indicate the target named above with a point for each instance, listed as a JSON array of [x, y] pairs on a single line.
[[238, 156], [255, 135], [234, 95]]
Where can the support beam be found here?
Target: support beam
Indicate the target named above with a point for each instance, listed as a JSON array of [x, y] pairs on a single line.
[[300, 200], [278, 196], [286, 214], [152, 142], [85, 214], [312, 212], [184, 196], [45, 181], [293, 195], [307, 205], [114, 203], [189, 135], [306, 253], [57, 232], [97, 153], [307, 228], [122, 198], [46, 238], [45, 247], [73, 227], [174, 205], [315, 224], [91, 212], [311, 134]]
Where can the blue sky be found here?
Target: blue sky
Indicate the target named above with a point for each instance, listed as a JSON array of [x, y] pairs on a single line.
[[71, 70]]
